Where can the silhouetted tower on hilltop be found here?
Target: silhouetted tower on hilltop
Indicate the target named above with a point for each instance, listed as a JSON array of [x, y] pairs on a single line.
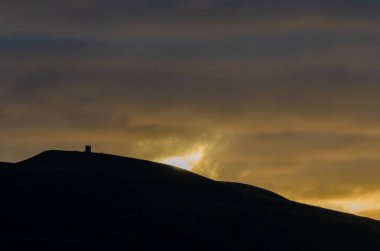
[[87, 149]]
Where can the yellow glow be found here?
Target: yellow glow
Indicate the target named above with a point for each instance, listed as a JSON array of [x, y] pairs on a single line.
[[368, 205], [185, 162]]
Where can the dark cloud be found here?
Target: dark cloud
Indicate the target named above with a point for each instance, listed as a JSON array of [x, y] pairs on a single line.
[[122, 18]]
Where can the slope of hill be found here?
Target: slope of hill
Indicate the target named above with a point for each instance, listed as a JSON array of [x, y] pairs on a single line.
[[59, 195]]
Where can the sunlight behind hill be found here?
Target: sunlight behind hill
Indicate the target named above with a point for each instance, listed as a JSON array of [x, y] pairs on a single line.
[[186, 162]]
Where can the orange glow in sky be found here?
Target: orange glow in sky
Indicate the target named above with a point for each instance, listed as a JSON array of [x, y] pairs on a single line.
[[186, 162]]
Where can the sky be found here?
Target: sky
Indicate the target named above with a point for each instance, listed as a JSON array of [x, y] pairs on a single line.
[[279, 94]]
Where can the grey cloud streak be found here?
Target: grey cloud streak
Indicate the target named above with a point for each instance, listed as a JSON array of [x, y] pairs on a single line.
[[123, 18]]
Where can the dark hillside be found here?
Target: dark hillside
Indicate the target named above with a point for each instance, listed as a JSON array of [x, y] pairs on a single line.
[[60, 195]]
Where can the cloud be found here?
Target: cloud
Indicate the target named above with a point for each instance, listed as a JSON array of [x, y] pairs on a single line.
[[375, 213], [124, 18]]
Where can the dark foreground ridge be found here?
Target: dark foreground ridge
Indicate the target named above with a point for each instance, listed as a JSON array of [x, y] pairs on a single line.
[[59, 195]]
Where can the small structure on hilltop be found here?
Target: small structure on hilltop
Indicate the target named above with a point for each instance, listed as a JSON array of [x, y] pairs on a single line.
[[87, 149]]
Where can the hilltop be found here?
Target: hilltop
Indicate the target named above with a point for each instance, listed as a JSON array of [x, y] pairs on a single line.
[[59, 195]]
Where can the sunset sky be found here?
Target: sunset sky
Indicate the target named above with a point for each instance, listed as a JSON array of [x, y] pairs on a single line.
[[284, 95]]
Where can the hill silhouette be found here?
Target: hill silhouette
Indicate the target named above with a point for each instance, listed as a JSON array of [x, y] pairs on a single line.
[[59, 195]]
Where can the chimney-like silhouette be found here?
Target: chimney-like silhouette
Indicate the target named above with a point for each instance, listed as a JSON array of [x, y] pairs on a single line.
[[87, 149]]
